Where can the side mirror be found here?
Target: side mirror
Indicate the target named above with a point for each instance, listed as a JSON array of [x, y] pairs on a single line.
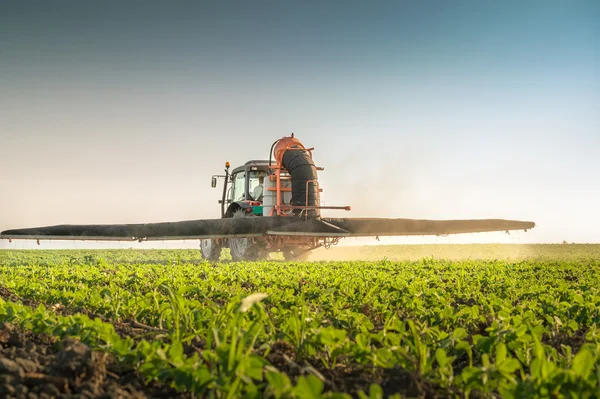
[[213, 182]]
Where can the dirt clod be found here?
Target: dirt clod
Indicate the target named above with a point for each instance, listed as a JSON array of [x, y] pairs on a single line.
[[27, 365], [10, 367], [81, 364], [38, 367], [282, 355]]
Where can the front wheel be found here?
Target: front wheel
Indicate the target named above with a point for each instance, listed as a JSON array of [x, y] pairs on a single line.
[[210, 249], [245, 248]]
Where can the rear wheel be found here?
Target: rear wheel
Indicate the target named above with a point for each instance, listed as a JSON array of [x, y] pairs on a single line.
[[245, 248], [210, 249]]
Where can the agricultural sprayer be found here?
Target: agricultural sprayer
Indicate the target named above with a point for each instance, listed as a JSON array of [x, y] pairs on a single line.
[[268, 206]]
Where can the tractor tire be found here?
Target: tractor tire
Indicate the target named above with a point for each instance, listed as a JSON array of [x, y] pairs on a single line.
[[295, 254], [210, 249], [245, 248]]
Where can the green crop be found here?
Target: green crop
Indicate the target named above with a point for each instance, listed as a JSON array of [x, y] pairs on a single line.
[[519, 329]]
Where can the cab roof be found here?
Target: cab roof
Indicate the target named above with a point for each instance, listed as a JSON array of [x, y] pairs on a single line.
[[261, 164]]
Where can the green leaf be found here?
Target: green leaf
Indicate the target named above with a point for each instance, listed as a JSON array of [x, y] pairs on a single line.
[[472, 376], [538, 348], [253, 367], [500, 352], [278, 381], [362, 340], [535, 368], [385, 358], [336, 395], [509, 366], [441, 357], [375, 392], [459, 334], [485, 344], [485, 360], [583, 363], [567, 350], [308, 387], [176, 351]]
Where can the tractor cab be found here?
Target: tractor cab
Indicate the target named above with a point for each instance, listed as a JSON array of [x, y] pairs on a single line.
[[250, 188], [244, 188], [248, 182]]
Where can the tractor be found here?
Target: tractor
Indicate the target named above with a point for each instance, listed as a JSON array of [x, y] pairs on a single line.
[[264, 188]]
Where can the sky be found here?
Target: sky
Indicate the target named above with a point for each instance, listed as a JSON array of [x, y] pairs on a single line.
[[120, 112]]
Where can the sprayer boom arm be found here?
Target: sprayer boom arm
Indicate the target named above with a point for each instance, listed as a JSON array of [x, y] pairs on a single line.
[[254, 227]]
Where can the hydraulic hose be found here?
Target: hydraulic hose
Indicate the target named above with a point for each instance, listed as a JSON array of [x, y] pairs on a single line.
[[302, 171]]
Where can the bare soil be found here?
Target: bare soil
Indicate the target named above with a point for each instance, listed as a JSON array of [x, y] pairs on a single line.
[[37, 366]]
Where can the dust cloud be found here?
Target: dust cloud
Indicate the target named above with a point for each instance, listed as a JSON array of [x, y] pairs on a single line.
[[457, 252]]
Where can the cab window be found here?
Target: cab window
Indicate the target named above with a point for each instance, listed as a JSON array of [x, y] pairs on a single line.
[[239, 186], [255, 179]]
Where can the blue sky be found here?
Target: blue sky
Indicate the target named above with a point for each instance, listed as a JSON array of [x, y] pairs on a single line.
[[121, 111]]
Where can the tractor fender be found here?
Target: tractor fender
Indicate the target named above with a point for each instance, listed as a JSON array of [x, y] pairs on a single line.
[[231, 209]]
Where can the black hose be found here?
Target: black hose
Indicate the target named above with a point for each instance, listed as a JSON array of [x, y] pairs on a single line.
[[302, 169]]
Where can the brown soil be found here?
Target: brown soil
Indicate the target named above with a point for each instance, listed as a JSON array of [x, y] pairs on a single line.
[[37, 366], [575, 340], [10, 296]]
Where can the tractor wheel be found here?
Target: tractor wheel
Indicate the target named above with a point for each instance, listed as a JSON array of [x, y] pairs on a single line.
[[245, 248], [210, 249], [295, 254]]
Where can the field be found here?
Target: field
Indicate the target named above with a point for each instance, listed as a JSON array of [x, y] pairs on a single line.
[[460, 321]]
